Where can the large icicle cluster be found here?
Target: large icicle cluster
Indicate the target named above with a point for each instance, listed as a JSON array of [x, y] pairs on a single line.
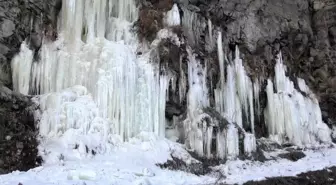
[[291, 116], [235, 98], [92, 84], [195, 125], [97, 50]]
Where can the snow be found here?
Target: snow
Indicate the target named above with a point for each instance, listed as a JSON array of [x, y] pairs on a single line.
[[134, 162], [241, 171], [128, 163]]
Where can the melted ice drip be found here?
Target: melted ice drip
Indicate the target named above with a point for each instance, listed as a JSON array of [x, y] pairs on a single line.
[[289, 115], [97, 50]]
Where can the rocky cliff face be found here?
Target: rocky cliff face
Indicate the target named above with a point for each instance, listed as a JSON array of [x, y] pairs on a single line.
[[304, 31], [20, 20]]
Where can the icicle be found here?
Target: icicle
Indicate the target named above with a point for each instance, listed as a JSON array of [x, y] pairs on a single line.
[[193, 26], [182, 83], [173, 17], [95, 39], [197, 100], [291, 115], [256, 92], [210, 32], [221, 58], [232, 142], [250, 144], [21, 69]]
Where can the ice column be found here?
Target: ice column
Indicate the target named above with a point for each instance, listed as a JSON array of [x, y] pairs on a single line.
[[21, 69], [197, 100], [234, 97], [289, 115], [173, 17]]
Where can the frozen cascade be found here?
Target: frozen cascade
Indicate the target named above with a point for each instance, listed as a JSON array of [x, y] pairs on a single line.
[[97, 50], [197, 100], [234, 97], [290, 116]]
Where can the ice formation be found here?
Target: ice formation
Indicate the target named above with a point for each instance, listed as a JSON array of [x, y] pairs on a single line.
[[97, 50], [234, 97], [197, 100], [291, 116], [173, 17], [94, 85], [21, 64]]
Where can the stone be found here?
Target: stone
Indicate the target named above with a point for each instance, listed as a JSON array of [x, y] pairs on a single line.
[[20, 20], [7, 28]]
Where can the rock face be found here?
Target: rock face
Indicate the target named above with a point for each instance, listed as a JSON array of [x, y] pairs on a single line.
[[320, 177], [18, 144], [303, 30], [20, 20]]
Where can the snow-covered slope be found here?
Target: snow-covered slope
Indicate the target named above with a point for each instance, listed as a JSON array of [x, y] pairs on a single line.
[[134, 163]]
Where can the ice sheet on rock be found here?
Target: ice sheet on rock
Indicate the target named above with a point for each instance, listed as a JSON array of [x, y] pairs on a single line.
[[192, 25], [289, 115], [21, 69], [172, 17]]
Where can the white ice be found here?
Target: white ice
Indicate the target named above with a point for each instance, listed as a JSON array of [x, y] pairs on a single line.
[[96, 49], [290, 116], [173, 17]]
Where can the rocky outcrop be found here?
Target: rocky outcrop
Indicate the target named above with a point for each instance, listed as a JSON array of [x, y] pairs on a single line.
[[319, 177], [20, 20], [18, 144], [303, 30]]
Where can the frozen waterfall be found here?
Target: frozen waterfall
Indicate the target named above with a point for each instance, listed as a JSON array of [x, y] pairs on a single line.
[[291, 116], [97, 50], [93, 83]]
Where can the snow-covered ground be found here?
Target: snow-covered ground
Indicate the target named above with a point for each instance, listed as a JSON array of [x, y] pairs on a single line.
[[134, 163]]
